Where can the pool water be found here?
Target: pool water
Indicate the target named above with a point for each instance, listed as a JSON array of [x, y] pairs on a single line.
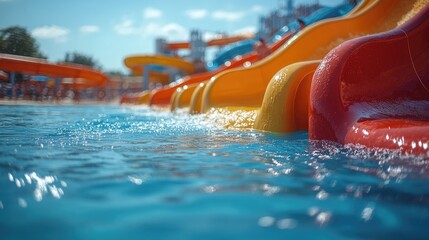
[[109, 172]]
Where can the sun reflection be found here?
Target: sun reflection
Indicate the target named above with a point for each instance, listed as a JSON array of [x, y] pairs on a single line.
[[266, 221], [22, 203], [135, 180], [367, 213], [270, 190], [323, 217], [210, 189], [287, 223], [322, 195], [312, 211], [43, 186]]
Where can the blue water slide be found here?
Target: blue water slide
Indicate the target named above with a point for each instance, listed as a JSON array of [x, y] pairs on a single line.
[[230, 51], [320, 14]]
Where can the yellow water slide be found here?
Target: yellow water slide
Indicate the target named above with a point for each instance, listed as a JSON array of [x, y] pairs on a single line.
[[184, 97], [136, 63], [246, 87]]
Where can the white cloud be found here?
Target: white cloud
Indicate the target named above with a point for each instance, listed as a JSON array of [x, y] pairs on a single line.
[[171, 31], [228, 15], [209, 35], [174, 31], [152, 13], [196, 13], [89, 29], [126, 27], [53, 32]]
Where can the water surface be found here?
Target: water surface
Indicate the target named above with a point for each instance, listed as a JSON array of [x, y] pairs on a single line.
[[106, 172]]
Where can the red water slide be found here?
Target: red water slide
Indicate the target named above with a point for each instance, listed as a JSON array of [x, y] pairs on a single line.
[[374, 90], [83, 76]]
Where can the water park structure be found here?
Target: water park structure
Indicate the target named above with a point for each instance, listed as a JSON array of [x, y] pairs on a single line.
[[239, 54], [166, 66], [273, 94], [73, 76], [316, 127], [355, 74]]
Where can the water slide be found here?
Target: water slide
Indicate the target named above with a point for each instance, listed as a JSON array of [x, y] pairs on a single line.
[[83, 77], [246, 87], [283, 102], [181, 97], [230, 51], [157, 64], [246, 46], [217, 41], [163, 96], [374, 90], [137, 62]]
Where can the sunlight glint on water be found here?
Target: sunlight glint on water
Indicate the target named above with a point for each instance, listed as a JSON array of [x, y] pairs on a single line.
[[106, 172]]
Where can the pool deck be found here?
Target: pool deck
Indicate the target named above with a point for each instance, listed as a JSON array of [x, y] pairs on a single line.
[[54, 103]]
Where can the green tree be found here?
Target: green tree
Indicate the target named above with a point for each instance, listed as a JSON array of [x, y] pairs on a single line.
[[16, 40], [82, 59]]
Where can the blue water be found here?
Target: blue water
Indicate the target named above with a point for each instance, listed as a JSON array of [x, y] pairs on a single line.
[[107, 172]]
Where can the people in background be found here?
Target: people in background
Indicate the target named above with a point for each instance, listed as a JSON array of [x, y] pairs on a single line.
[[261, 48], [301, 24], [353, 2]]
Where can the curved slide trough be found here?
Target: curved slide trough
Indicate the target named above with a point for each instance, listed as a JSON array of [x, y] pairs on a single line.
[[217, 41], [142, 65], [246, 87], [83, 77], [135, 62], [181, 96], [163, 96], [374, 90]]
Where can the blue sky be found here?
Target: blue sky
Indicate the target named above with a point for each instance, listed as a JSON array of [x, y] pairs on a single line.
[[110, 30]]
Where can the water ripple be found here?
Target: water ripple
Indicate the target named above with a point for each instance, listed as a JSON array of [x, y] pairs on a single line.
[[136, 166]]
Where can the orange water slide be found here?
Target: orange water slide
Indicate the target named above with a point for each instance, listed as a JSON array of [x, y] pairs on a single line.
[[162, 96], [246, 87], [222, 41], [85, 77], [219, 41], [137, 63]]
